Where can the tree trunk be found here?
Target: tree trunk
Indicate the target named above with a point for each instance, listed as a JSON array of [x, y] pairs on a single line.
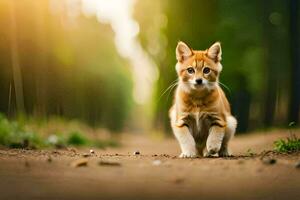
[[17, 74], [295, 61]]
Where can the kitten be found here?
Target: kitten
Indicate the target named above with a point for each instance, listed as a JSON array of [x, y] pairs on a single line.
[[200, 116]]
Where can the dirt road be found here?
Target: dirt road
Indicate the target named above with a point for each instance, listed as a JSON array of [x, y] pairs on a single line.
[[154, 174]]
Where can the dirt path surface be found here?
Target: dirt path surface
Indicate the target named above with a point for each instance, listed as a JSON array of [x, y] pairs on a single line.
[[156, 173]]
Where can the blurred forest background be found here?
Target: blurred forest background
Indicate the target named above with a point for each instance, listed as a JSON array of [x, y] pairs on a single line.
[[108, 62]]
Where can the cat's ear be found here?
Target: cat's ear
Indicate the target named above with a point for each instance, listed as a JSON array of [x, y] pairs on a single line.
[[215, 52], [183, 51]]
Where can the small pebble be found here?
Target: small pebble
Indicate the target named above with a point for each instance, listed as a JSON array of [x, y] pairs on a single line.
[[240, 162], [27, 164], [56, 152], [297, 165], [49, 159], [92, 151], [109, 163], [178, 180], [269, 161], [79, 163], [136, 153], [157, 162], [86, 155], [72, 150]]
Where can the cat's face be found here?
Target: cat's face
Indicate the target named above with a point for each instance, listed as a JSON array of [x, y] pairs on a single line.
[[198, 70]]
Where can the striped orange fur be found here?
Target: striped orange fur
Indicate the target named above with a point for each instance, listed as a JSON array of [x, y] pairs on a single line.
[[200, 116]]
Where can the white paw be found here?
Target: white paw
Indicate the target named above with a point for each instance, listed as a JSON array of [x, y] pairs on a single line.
[[213, 147], [188, 155]]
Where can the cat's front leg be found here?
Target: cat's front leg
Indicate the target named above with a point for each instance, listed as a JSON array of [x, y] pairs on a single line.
[[229, 133], [214, 140], [186, 141]]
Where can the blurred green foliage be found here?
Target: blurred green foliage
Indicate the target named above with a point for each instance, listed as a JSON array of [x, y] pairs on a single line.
[[70, 67], [77, 139], [254, 36], [15, 134]]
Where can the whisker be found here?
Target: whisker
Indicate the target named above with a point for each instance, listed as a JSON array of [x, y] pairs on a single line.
[[171, 86], [225, 86], [175, 81], [171, 90]]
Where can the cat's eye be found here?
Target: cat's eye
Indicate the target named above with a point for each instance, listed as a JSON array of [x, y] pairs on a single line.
[[190, 70], [206, 70]]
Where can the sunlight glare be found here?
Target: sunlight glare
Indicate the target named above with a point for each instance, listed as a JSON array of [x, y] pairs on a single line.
[[118, 13]]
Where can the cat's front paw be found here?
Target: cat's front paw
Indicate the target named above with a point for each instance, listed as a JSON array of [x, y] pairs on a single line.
[[213, 147], [214, 142], [206, 154], [188, 155], [224, 153]]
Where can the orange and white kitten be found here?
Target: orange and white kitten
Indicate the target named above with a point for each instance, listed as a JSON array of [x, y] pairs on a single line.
[[200, 116]]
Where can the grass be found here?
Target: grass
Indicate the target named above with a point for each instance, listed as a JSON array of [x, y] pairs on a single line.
[[15, 134], [290, 144], [77, 139], [250, 153]]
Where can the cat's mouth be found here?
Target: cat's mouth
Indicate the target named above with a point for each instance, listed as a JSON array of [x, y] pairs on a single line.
[[207, 85], [196, 86]]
